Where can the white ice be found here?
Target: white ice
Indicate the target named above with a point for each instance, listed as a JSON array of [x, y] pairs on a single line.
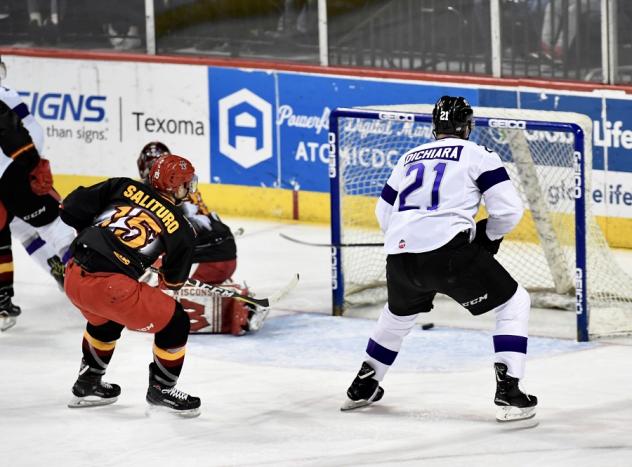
[[273, 398]]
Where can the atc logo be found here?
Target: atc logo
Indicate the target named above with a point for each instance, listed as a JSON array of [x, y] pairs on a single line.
[[245, 128]]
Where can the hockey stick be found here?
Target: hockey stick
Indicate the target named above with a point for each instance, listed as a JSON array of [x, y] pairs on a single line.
[[231, 293], [346, 245]]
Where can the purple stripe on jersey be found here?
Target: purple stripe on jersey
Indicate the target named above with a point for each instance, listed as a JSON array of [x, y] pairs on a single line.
[[505, 343], [488, 179], [67, 256], [35, 245], [389, 194], [22, 110], [381, 354]]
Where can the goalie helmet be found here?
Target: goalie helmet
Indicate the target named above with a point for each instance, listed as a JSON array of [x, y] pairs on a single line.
[[452, 116], [148, 155], [170, 172]]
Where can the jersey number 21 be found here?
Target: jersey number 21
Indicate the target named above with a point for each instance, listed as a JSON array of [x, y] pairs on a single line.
[[419, 169]]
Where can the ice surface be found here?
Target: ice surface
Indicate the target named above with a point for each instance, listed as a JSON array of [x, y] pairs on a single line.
[[273, 398]]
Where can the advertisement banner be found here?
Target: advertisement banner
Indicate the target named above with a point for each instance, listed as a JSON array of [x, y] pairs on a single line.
[[97, 115], [244, 148]]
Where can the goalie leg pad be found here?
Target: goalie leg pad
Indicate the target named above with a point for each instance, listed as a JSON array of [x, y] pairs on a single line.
[[209, 313]]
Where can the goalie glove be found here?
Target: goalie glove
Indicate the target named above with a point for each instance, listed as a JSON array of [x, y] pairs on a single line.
[[483, 240]]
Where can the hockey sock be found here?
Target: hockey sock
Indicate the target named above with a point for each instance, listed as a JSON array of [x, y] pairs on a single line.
[[97, 353], [6, 271], [510, 336], [169, 348], [386, 340]]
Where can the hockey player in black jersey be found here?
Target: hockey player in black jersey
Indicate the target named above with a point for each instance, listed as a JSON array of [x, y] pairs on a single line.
[[214, 262], [123, 226], [433, 245]]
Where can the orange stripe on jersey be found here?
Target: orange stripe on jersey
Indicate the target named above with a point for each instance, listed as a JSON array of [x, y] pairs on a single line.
[[169, 284], [171, 354], [97, 344], [6, 267], [22, 150]]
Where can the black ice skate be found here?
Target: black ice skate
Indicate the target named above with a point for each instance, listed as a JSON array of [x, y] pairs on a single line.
[[364, 390], [172, 399], [90, 391], [513, 403], [8, 312]]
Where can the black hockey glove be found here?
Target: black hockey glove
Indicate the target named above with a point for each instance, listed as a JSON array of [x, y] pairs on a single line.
[[483, 240]]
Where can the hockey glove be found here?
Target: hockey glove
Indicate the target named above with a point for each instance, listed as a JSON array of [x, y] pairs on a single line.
[[483, 240], [41, 178]]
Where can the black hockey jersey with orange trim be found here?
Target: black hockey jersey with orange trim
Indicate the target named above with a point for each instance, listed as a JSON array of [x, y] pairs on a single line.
[[130, 225]]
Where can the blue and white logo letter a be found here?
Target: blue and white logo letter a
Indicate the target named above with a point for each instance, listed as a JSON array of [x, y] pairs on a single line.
[[245, 128]]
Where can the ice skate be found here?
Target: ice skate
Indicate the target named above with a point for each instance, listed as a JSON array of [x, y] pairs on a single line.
[[513, 403], [170, 399], [364, 390], [90, 391], [8, 312]]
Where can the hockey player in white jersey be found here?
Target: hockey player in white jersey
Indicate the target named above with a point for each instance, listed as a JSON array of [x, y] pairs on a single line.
[[433, 245], [28, 201]]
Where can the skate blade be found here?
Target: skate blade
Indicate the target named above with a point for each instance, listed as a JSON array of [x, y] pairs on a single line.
[[351, 404], [160, 410], [514, 414], [90, 401], [7, 323]]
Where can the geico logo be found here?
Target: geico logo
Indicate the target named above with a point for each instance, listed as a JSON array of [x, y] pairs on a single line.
[[334, 268], [396, 116], [501, 123], [577, 173], [57, 106], [168, 125], [369, 157]]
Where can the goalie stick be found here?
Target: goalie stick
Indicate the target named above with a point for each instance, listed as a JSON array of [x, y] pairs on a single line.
[[346, 245], [231, 293]]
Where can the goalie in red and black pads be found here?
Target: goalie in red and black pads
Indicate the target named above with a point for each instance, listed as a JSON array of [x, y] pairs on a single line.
[[214, 262], [433, 245], [123, 226]]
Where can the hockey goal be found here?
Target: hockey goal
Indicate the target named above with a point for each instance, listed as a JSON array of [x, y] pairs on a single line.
[[558, 251]]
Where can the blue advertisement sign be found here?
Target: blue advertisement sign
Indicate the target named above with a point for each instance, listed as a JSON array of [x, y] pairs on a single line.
[[243, 135], [269, 128]]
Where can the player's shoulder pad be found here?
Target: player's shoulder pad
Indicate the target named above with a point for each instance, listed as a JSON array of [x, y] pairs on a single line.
[[10, 97]]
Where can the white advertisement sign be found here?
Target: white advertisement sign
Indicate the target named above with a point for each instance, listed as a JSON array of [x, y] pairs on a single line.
[[97, 115]]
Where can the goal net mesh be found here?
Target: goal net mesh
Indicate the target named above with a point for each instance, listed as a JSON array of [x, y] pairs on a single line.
[[539, 253]]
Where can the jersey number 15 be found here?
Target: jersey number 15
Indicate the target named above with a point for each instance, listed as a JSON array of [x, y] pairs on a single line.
[[419, 169]]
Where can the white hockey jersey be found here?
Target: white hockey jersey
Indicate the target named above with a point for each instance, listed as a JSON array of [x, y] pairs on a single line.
[[434, 193], [13, 100]]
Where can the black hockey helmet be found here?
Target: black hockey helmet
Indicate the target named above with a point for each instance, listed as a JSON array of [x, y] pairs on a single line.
[[452, 116], [148, 155]]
